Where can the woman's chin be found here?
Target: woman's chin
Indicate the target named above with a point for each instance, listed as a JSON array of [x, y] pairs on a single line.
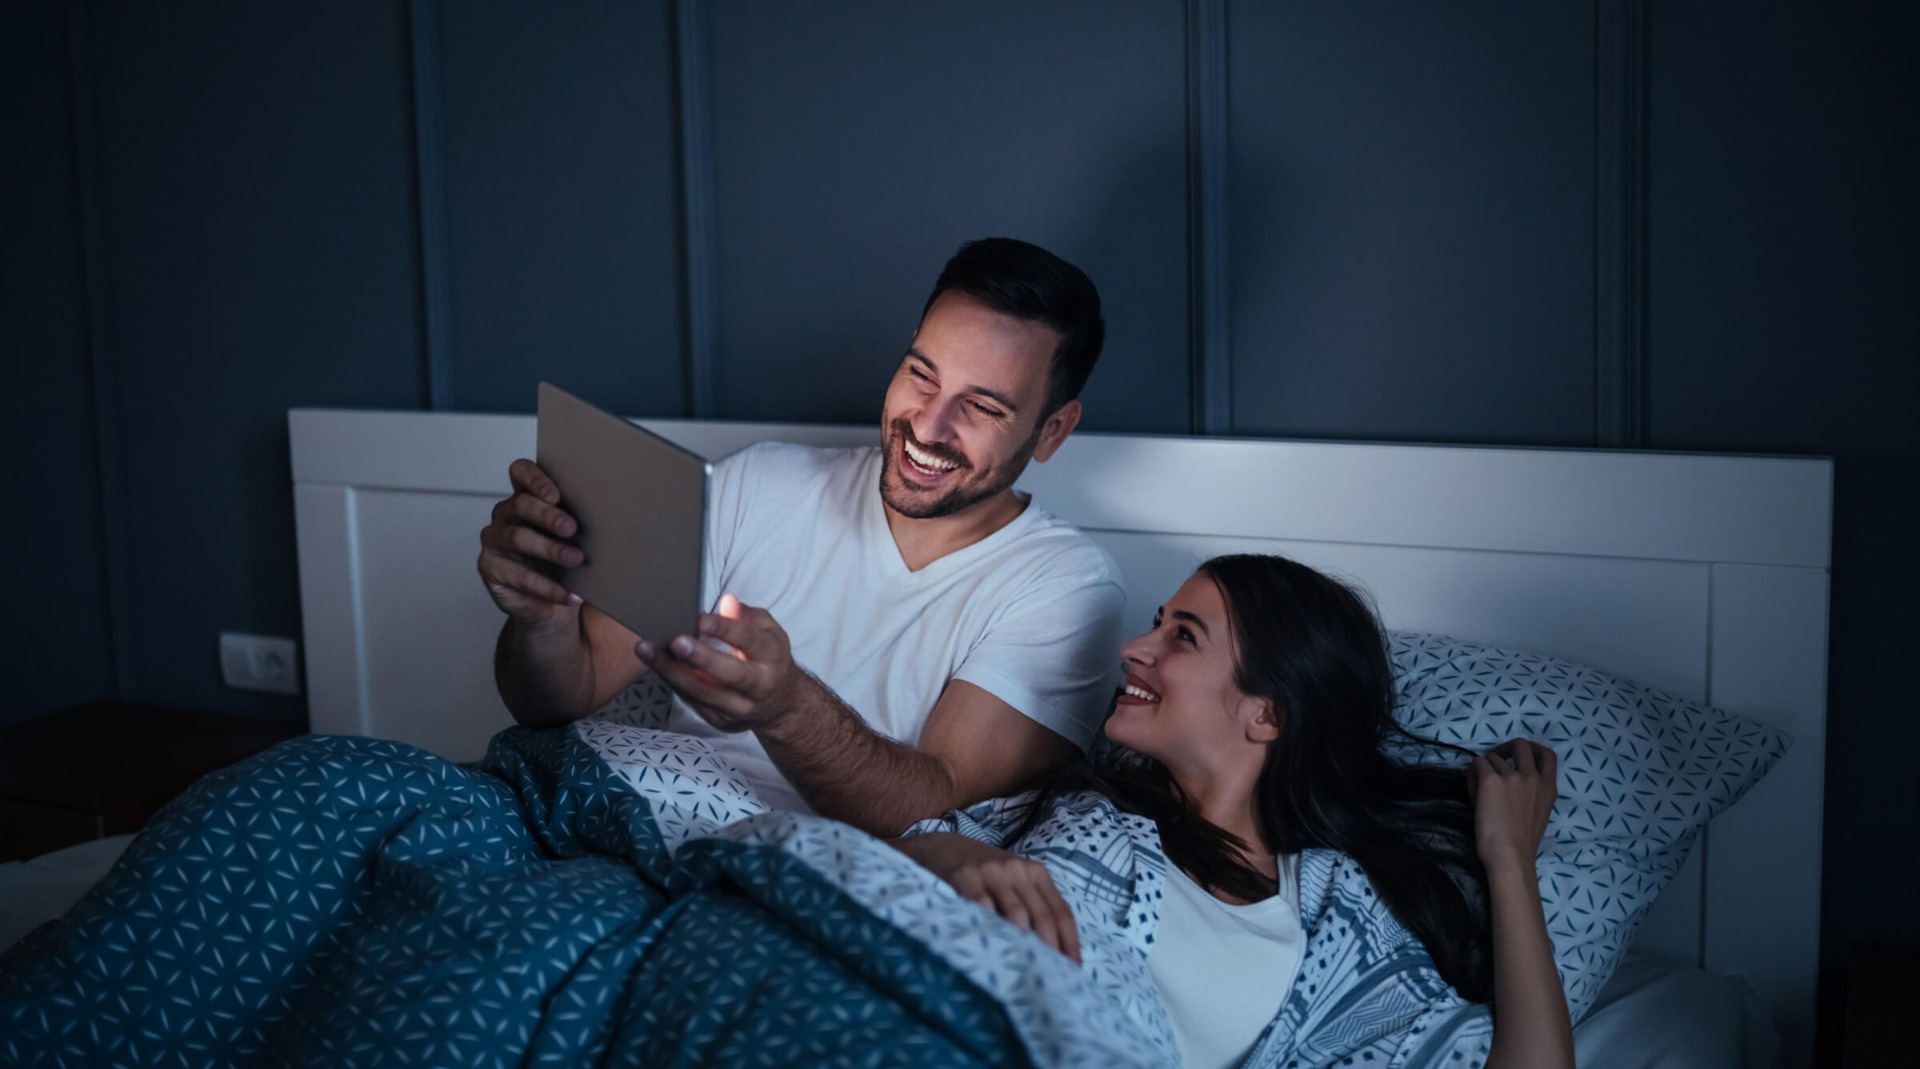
[[1120, 729]]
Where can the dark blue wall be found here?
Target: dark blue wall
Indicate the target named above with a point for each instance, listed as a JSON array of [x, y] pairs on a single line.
[[1609, 224]]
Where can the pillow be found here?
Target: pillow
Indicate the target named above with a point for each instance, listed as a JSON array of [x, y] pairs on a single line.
[[1641, 772]]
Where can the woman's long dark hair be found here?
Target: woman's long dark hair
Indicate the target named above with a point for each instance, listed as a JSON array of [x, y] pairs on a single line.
[[1312, 646]]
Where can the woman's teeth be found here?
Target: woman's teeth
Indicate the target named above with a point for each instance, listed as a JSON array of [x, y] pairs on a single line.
[[1141, 693]]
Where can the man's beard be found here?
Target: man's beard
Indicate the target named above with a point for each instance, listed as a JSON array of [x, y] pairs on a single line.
[[913, 503]]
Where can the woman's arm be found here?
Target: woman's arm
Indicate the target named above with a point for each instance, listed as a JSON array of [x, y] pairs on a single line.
[[1512, 786], [1017, 889]]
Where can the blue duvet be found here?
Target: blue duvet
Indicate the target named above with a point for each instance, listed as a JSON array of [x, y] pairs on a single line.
[[353, 902]]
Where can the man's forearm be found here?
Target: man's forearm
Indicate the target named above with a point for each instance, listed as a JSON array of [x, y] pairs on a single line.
[[848, 772], [545, 676]]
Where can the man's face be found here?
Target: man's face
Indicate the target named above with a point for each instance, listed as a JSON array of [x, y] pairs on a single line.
[[962, 417]]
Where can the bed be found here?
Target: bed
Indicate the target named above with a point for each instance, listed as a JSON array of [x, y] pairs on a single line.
[[1703, 576]]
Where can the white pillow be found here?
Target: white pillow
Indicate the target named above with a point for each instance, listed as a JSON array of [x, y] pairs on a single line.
[[1641, 771]]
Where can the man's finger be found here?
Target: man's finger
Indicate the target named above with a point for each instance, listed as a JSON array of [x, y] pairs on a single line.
[[748, 641], [529, 542], [538, 513], [1063, 919], [531, 478], [524, 580], [730, 670], [1007, 902], [699, 690]]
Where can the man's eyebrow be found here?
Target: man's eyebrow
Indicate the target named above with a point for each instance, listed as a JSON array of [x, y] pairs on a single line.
[[996, 396], [1182, 614]]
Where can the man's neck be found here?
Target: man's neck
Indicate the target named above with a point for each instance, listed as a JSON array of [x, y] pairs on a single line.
[[921, 542]]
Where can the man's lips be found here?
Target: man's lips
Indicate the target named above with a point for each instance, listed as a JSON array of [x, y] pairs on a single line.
[[923, 464]]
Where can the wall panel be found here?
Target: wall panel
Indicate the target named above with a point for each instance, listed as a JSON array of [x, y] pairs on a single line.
[[856, 145], [561, 204], [255, 169], [1784, 268], [59, 625], [1412, 191]]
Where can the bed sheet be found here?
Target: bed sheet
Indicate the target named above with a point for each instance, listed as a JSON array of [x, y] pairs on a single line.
[[1660, 1014], [39, 889]]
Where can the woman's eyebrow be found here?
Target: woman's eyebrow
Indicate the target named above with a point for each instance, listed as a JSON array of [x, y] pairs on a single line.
[[1182, 614]]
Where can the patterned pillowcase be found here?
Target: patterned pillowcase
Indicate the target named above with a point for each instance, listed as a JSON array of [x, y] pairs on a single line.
[[1641, 772]]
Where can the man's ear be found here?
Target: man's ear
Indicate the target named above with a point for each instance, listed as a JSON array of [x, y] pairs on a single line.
[[1264, 727], [1055, 429]]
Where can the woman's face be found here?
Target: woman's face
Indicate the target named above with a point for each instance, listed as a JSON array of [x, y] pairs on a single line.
[[1180, 704]]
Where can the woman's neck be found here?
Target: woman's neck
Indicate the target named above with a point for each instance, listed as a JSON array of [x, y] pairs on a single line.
[[1227, 802]]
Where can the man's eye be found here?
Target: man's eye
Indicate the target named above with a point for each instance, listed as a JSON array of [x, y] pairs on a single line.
[[987, 410], [918, 374]]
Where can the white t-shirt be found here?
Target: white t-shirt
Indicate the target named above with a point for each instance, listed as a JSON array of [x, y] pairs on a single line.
[[1031, 613], [1224, 971]]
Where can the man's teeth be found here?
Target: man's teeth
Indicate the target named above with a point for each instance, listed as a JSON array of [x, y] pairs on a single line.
[[1141, 693], [925, 461]]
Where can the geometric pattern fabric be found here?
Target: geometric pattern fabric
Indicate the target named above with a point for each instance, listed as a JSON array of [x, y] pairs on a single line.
[[1640, 773], [353, 902]]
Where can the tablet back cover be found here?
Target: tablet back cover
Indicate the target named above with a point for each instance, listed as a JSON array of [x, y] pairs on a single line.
[[641, 503]]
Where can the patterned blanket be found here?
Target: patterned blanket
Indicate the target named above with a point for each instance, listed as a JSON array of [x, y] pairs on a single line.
[[343, 901]]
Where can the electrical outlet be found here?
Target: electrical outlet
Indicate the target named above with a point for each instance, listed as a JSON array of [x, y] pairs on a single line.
[[260, 662]]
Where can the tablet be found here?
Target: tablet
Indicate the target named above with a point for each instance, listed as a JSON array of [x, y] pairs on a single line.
[[641, 502]]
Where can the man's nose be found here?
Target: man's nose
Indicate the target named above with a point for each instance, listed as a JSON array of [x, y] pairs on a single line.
[[933, 424]]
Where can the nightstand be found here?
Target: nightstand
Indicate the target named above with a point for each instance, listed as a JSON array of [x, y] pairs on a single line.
[[104, 768]]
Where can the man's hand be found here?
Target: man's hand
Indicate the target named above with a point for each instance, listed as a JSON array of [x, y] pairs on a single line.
[[526, 534], [746, 681], [1022, 891]]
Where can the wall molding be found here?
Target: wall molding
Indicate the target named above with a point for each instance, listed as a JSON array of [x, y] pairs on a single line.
[[430, 201], [692, 63], [1209, 354], [1620, 224], [96, 302]]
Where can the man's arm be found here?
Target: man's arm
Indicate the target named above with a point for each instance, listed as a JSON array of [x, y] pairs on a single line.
[[557, 659], [562, 670], [974, 745]]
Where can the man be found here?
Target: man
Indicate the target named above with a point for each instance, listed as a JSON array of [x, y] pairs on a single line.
[[898, 632]]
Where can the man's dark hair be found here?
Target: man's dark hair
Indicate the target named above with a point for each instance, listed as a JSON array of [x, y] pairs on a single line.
[[1025, 281]]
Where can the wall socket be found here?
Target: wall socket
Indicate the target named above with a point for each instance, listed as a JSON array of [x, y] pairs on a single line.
[[260, 662]]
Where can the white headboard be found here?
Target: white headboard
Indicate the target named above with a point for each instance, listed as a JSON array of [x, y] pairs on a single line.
[[1704, 575]]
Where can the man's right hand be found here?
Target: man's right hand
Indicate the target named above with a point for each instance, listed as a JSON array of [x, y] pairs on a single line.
[[528, 533]]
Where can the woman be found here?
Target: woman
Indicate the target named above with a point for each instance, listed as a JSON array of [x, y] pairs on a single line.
[[1321, 894]]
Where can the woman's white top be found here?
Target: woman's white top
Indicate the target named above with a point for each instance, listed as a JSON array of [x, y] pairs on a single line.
[[1224, 971]]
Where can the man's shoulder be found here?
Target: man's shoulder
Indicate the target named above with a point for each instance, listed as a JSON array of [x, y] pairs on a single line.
[[789, 475], [793, 459], [1055, 548]]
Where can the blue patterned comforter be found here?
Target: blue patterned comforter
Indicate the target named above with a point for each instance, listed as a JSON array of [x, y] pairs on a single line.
[[340, 901]]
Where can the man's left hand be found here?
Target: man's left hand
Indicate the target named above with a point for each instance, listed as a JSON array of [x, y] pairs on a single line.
[[738, 689]]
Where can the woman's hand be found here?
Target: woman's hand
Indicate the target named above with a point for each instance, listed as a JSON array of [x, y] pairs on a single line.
[[1017, 889], [1512, 788]]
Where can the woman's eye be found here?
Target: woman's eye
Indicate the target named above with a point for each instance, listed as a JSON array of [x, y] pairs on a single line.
[[1186, 635]]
